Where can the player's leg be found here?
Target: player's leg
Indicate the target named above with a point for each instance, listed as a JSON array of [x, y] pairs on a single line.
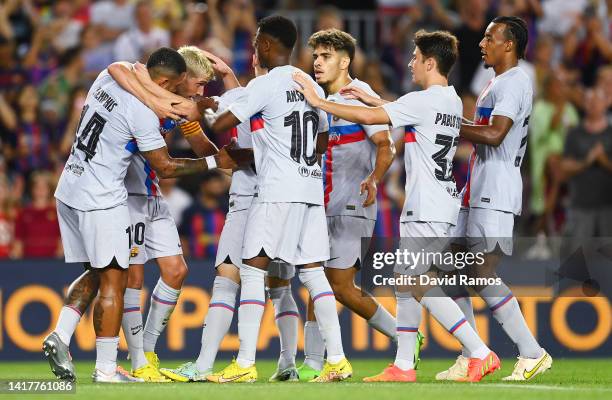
[[314, 346], [490, 231], [80, 295], [286, 318], [460, 296]]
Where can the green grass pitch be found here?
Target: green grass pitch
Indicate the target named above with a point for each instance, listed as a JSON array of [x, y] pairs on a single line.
[[575, 379]]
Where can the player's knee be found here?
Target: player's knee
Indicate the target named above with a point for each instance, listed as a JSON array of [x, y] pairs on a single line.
[[229, 271], [342, 290], [174, 271]]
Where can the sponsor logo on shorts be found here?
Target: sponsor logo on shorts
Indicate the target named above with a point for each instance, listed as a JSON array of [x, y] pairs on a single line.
[[350, 207], [75, 169], [485, 199], [408, 213]]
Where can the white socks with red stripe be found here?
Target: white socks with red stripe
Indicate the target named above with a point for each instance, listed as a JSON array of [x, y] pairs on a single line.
[[314, 346], [383, 322], [462, 298], [409, 313], [66, 323], [132, 327], [286, 316], [252, 303], [218, 319], [448, 314], [315, 281], [163, 301], [506, 310], [106, 354]]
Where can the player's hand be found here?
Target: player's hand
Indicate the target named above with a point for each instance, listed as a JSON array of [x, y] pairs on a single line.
[[307, 88], [369, 185], [219, 66], [166, 108], [232, 157], [355, 93]]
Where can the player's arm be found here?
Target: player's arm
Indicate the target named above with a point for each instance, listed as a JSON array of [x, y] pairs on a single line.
[[167, 167], [357, 93], [201, 145], [359, 114], [223, 70], [164, 103], [491, 135], [385, 151]]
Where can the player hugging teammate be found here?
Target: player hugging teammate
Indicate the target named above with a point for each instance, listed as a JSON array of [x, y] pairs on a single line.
[[318, 154]]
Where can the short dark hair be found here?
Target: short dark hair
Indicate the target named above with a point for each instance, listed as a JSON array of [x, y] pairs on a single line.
[[280, 28], [166, 61], [442, 46], [334, 38], [515, 30]]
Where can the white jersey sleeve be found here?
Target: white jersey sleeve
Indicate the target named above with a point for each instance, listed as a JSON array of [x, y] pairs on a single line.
[[254, 99], [405, 111], [144, 125]]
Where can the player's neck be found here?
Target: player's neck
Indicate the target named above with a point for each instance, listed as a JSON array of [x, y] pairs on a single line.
[[435, 80], [335, 86], [278, 61], [505, 66]]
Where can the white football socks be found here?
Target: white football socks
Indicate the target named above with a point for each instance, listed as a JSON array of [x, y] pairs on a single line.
[[106, 354], [131, 323], [218, 320], [447, 312], [163, 301], [383, 322], [66, 323], [252, 303], [322, 296], [462, 298], [506, 310], [408, 320], [314, 346], [286, 316]]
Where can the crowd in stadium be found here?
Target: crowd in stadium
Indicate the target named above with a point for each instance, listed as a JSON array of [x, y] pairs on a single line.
[[51, 51]]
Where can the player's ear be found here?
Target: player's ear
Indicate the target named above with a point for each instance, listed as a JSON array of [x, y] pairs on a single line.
[[345, 61], [163, 82]]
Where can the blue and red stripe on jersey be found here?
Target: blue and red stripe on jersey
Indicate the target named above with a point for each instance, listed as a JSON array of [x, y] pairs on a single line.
[[150, 180], [483, 115], [257, 122], [465, 202], [409, 134], [132, 146], [338, 135]]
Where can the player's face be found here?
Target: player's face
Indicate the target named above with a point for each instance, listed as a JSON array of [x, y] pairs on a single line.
[[494, 44], [192, 86], [327, 64], [417, 66], [257, 46], [171, 84]]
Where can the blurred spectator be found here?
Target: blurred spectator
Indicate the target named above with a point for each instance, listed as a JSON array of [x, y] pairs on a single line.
[[178, 200], [97, 54], [65, 29], [135, 44], [77, 101], [7, 218], [588, 46], [12, 73], [167, 13], [588, 167], [551, 117], [543, 60], [558, 16], [474, 21], [113, 17], [55, 90], [36, 228], [203, 221], [32, 141]]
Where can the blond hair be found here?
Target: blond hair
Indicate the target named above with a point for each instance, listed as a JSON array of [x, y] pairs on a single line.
[[197, 63]]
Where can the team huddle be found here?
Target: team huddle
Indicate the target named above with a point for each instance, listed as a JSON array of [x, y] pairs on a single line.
[[305, 157]]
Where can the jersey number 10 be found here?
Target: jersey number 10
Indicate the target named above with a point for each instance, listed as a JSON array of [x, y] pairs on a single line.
[[299, 135]]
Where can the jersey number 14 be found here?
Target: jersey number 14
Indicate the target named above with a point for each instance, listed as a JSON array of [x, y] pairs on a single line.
[[87, 141]]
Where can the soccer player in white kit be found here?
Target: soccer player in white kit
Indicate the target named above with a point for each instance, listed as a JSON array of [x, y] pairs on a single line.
[[222, 303], [286, 220], [356, 160], [155, 233], [93, 214], [432, 118], [493, 193]]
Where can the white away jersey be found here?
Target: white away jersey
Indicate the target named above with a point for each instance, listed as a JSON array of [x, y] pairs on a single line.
[[284, 131], [495, 178], [244, 181], [432, 120], [349, 159], [93, 178]]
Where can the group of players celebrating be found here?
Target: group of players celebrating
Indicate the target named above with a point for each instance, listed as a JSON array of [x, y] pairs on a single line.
[[306, 158]]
